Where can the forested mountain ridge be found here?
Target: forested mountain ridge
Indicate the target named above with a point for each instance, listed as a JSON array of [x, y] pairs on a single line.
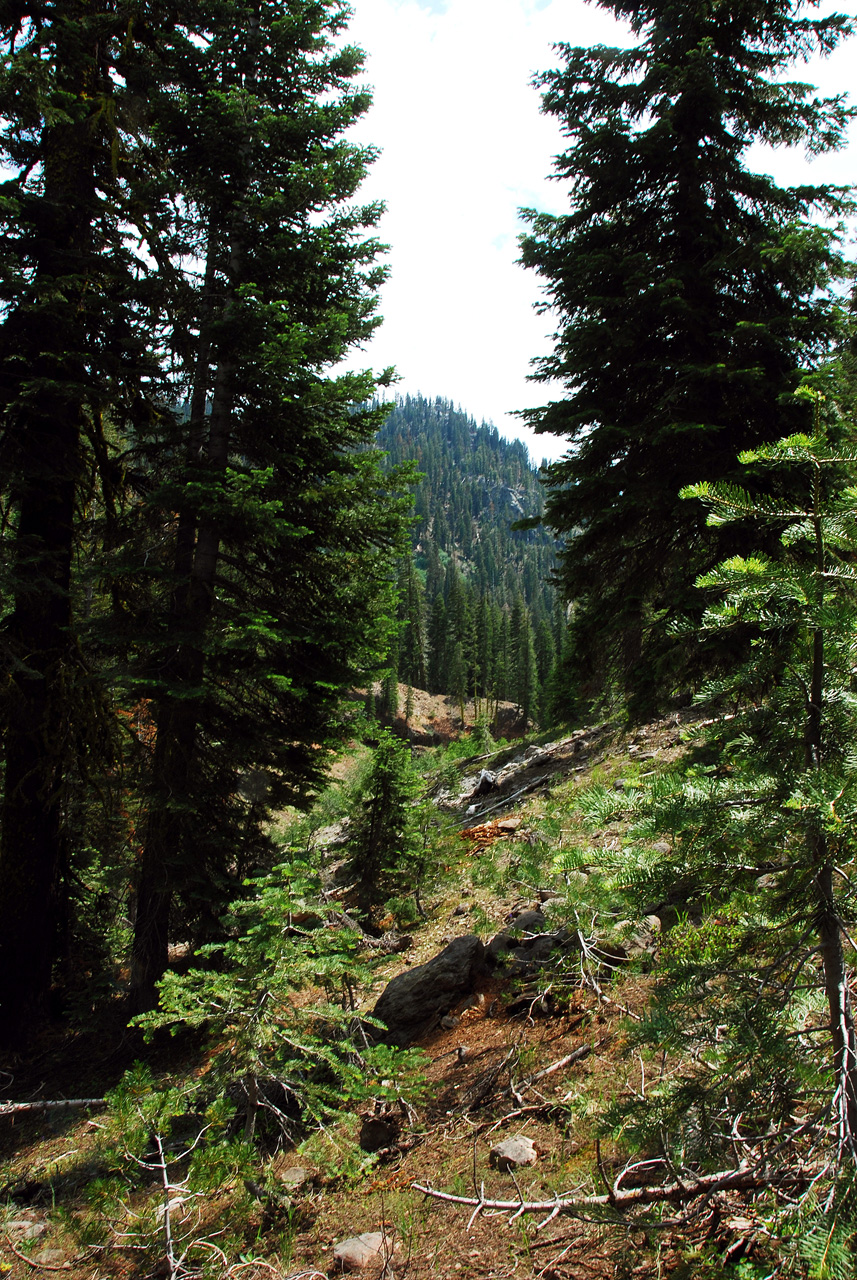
[[479, 608]]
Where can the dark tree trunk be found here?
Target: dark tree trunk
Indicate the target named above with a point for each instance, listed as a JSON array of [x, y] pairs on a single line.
[[44, 339]]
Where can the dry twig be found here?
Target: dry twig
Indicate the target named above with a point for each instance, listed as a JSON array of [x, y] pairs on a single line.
[[683, 1189]]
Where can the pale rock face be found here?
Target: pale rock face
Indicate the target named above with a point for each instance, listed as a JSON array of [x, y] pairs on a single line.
[[513, 1153], [362, 1251]]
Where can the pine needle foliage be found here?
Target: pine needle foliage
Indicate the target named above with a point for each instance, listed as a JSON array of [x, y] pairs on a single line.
[[386, 852], [690, 293], [750, 1037], [277, 1000]]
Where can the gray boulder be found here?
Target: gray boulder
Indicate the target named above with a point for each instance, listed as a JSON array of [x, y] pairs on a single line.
[[414, 1000]]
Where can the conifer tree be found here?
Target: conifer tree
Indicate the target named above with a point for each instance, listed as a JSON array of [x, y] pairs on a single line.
[[761, 843], [690, 293], [275, 587], [77, 340], [384, 835]]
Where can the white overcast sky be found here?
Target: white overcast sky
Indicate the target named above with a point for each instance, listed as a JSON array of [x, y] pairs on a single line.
[[463, 148]]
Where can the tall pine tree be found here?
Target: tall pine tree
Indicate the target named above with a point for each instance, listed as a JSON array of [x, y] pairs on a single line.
[[76, 344], [277, 590], [690, 293]]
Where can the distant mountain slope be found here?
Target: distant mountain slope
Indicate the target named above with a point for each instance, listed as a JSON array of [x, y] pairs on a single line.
[[479, 607]]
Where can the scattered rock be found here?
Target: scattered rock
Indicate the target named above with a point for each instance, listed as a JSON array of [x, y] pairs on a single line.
[[509, 824], [460, 910], [51, 1257], [486, 783], [378, 1132], [548, 895], [415, 999], [294, 1178], [527, 944], [513, 1153], [362, 1251], [530, 922], [27, 1230]]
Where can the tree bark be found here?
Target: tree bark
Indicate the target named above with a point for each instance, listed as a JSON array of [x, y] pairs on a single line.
[[44, 380]]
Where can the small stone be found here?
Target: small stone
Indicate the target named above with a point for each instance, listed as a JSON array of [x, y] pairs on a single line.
[[376, 1134], [739, 1224], [530, 921], [661, 846], [294, 1177], [460, 910], [32, 1230], [51, 1257], [448, 1021], [362, 1251], [509, 824], [548, 895], [513, 1153]]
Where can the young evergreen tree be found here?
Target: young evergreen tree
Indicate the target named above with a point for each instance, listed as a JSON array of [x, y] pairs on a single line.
[[384, 835], [525, 664], [690, 293], [761, 843], [412, 641]]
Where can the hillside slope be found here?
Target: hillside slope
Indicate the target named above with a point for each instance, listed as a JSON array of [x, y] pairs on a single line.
[[479, 609]]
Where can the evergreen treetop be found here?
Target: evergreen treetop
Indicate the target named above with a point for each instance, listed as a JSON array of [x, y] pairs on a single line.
[[690, 293]]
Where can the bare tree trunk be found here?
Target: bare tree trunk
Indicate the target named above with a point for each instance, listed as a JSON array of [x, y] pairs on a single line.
[[838, 993]]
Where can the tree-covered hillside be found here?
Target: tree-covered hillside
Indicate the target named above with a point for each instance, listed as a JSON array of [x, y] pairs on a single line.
[[477, 601]]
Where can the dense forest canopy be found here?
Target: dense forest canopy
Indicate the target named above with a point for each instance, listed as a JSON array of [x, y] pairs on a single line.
[[187, 594]]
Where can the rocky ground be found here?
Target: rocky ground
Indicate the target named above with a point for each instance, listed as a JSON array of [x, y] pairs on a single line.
[[513, 1077]]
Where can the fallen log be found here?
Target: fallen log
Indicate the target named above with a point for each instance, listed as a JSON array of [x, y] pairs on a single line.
[[682, 1190], [41, 1104]]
